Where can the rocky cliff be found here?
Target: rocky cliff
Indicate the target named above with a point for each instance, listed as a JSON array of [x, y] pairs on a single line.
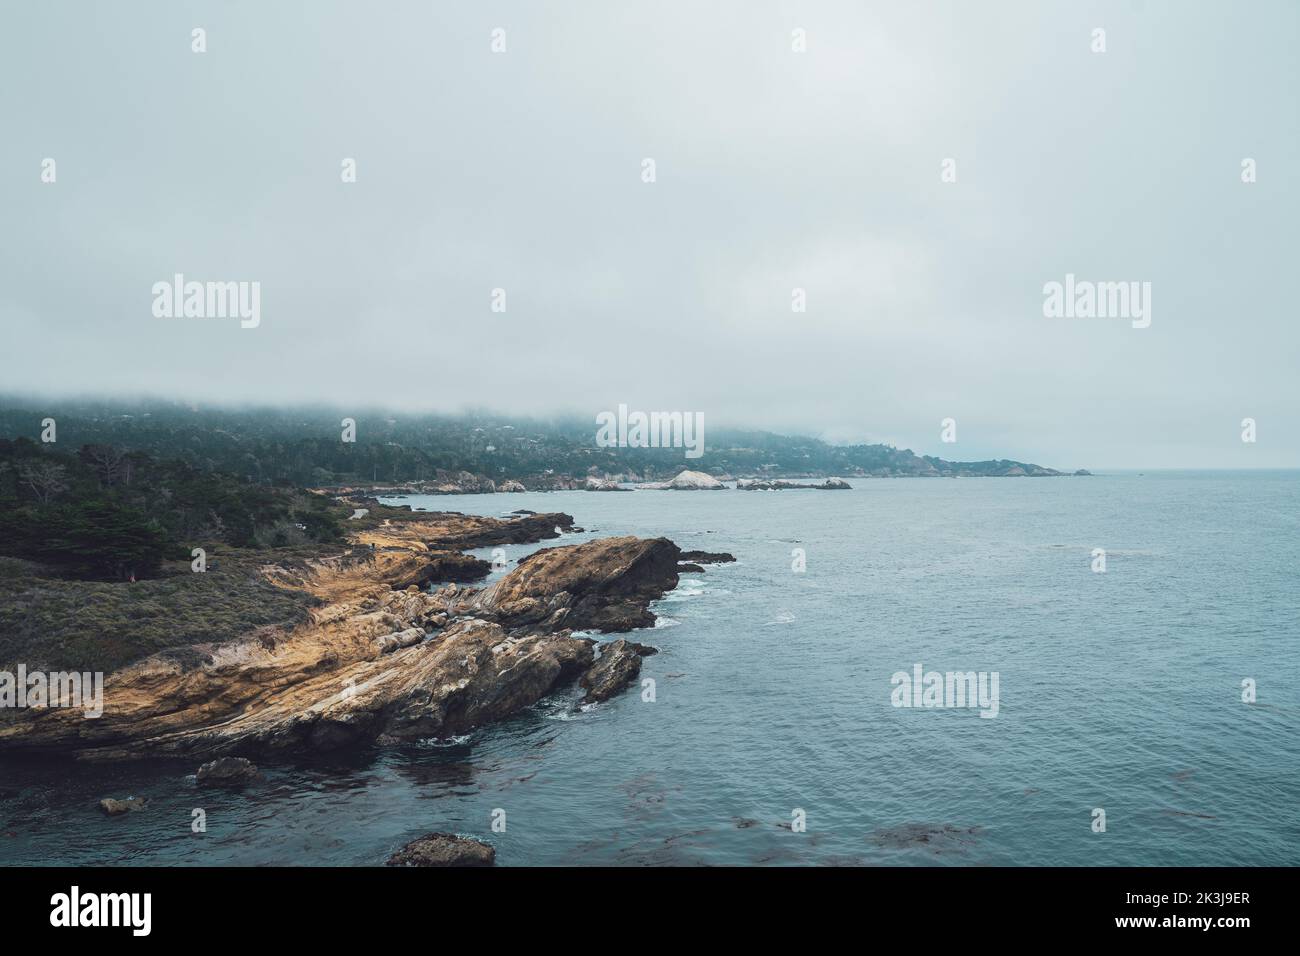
[[381, 659]]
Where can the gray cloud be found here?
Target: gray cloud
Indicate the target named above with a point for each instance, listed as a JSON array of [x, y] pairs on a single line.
[[775, 170]]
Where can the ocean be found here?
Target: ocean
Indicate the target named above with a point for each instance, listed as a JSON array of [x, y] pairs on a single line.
[[770, 735]]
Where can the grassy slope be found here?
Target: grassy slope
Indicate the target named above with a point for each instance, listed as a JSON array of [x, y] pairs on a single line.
[[48, 622], [51, 623]]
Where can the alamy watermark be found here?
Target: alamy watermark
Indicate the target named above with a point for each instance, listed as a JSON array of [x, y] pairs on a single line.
[[933, 689], [626, 429], [1084, 299], [208, 300], [75, 908], [53, 689]]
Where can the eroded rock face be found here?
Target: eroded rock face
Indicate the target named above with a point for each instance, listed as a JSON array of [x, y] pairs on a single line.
[[320, 694], [453, 531], [371, 663], [441, 566], [603, 585], [444, 849]]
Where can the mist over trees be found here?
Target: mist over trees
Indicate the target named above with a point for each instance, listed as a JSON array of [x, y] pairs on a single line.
[[303, 447]]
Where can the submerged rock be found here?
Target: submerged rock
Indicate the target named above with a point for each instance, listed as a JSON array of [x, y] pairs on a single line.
[[934, 837], [444, 849], [116, 807], [226, 772]]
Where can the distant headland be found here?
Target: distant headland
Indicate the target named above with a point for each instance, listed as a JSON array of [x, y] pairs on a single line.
[[377, 451]]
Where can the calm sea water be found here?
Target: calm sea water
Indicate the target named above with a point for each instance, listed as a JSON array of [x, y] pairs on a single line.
[[1119, 691]]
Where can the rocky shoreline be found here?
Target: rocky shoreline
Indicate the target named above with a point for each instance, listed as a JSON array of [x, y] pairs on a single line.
[[382, 659], [465, 483]]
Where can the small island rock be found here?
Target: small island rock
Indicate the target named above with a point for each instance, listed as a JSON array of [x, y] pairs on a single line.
[[444, 849], [226, 772]]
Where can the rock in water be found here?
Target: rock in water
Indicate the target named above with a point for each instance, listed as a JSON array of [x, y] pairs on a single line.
[[618, 666], [226, 772], [444, 849], [694, 481], [777, 484], [605, 585], [115, 807], [707, 557]]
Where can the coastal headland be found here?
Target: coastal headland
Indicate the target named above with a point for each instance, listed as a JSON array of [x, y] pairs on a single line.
[[382, 656]]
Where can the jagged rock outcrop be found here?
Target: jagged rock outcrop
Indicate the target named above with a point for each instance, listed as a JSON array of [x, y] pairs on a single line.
[[329, 685], [450, 531], [604, 585], [443, 566], [444, 849], [619, 665], [373, 663]]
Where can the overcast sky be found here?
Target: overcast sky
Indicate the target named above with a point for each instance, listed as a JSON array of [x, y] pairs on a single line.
[[775, 170]]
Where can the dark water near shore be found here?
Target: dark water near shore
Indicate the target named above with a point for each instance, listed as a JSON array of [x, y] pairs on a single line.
[[1119, 690]]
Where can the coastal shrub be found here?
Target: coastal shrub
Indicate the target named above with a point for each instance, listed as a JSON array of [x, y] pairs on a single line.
[[107, 514], [55, 623]]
